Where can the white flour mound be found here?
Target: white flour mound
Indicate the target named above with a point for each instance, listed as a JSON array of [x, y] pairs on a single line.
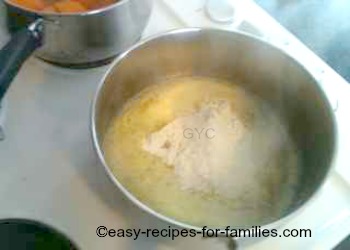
[[227, 157]]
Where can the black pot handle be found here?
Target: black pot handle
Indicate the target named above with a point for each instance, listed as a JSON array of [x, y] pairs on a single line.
[[16, 51]]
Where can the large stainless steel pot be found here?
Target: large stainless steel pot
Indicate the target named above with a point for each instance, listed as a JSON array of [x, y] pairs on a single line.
[[256, 66], [77, 39]]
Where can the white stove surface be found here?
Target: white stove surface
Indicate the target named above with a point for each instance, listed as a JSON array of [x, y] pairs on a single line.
[[49, 171]]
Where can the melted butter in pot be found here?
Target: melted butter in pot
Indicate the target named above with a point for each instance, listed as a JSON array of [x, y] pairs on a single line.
[[244, 174]]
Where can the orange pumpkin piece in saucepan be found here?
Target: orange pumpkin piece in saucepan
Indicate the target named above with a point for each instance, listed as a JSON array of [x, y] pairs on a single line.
[[96, 4], [35, 5], [49, 8], [62, 6], [69, 6], [90, 4]]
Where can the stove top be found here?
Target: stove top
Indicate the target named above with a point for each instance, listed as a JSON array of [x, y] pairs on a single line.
[[49, 171]]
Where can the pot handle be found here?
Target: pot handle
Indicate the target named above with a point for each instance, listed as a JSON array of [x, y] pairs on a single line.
[[16, 51]]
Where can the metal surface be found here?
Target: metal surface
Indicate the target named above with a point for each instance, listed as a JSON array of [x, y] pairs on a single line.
[[88, 37], [250, 62]]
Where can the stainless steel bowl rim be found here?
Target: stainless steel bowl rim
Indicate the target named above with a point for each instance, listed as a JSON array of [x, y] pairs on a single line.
[[126, 192]]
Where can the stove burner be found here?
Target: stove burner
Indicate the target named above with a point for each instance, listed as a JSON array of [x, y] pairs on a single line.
[[23, 234]]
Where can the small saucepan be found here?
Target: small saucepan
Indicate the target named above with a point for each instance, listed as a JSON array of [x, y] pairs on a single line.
[[70, 39]]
